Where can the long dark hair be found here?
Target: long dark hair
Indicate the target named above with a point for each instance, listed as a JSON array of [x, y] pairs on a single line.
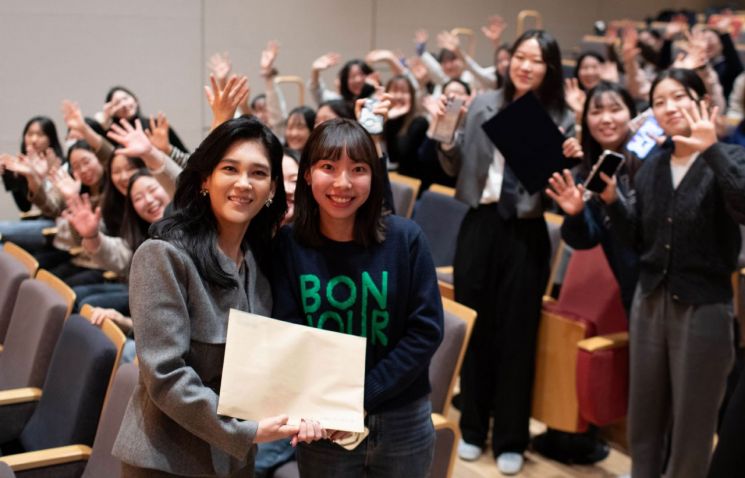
[[590, 146], [49, 130], [551, 91], [330, 140], [344, 80], [406, 120], [134, 229], [113, 203], [193, 225]]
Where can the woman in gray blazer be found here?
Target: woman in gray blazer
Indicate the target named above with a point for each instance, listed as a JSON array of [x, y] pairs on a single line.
[[207, 257]]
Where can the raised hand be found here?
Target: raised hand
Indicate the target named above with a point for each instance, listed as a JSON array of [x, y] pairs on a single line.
[[416, 66], [224, 101], [629, 48], [110, 110], [157, 133], [609, 71], [18, 164], [703, 128], [268, 57], [135, 141], [73, 116], [494, 29], [80, 214], [448, 41], [220, 66], [574, 95], [566, 194], [326, 61], [421, 36], [68, 187]]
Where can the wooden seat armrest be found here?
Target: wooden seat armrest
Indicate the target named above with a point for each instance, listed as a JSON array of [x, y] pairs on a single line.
[[439, 421], [1, 348], [547, 299], [49, 457], [75, 251], [604, 342], [33, 214], [110, 276], [49, 231], [742, 271], [19, 395], [444, 269]]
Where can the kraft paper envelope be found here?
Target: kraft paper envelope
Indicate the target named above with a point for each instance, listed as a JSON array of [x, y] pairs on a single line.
[[278, 368]]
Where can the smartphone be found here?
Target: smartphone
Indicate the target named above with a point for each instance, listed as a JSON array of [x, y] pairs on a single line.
[[370, 121], [642, 143], [609, 163], [446, 125]]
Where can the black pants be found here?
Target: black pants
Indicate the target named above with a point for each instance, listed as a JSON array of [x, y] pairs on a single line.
[[500, 270]]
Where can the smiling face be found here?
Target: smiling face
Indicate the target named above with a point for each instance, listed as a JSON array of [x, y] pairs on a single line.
[[668, 99], [608, 120], [289, 175], [588, 73], [35, 139], [121, 171], [339, 187], [240, 185], [527, 68], [126, 104], [149, 199], [85, 167], [297, 132], [356, 80]]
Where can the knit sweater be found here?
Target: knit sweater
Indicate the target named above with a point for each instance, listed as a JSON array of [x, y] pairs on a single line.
[[686, 237], [387, 293]]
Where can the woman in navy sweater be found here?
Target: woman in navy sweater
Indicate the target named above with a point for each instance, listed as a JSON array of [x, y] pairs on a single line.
[[344, 266]]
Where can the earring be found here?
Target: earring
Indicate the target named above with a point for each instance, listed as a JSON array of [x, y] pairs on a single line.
[[204, 192], [268, 202]]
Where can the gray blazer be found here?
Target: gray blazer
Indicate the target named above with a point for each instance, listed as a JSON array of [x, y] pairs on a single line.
[[469, 160], [180, 325]]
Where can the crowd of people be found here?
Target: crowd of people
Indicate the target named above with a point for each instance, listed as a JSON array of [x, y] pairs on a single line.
[[275, 209]]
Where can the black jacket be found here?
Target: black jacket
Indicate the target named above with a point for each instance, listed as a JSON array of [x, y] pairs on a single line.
[[687, 237]]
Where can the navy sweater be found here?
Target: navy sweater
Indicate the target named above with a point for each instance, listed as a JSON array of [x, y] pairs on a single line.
[[387, 293]]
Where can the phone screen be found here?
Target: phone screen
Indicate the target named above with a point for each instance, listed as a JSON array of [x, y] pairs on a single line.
[[642, 143], [444, 128], [609, 163]]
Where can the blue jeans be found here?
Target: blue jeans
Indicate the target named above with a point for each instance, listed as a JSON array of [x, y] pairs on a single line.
[[26, 234], [400, 445], [107, 295]]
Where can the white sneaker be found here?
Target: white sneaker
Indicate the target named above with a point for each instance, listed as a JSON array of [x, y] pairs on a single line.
[[510, 463], [468, 452]]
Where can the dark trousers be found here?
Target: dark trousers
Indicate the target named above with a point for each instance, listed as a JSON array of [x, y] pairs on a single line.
[[500, 270]]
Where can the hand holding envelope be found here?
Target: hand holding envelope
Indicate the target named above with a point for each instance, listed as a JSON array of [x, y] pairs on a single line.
[[277, 368]]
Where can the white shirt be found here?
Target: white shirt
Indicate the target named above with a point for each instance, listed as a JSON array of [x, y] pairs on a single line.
[[678, 169], [495, 177]]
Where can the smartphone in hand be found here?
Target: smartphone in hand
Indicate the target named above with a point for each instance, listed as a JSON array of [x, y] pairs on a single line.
[[445, 126], [609, 163], [368, 119]]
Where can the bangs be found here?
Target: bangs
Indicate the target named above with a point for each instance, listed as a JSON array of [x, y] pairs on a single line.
[[606, 98], [350, 141]]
